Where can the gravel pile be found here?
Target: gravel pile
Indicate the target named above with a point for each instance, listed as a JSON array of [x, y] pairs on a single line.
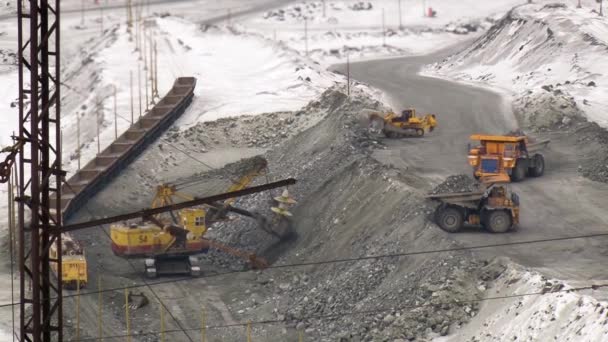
[[548, 108], [456, 183], [595, 165], [348, 204]]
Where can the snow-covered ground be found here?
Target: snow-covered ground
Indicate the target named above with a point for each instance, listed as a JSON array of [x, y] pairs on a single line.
[[258, 65], [269, 78], [355, 28], [538, 50], [556, 315], [237, 74]]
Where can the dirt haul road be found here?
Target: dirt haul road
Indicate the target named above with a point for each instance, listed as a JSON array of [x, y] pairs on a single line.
[[561, 203]]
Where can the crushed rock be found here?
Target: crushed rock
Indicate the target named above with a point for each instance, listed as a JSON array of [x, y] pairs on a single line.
[[595, 166], [337, 181], [456, 183], [548, 108]]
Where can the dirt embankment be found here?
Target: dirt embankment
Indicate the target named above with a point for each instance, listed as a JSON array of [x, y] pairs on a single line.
[[349, 206], [555, 114]]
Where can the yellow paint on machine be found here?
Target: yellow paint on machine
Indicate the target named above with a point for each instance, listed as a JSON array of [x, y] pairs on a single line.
[[73, 263], [148, 238]]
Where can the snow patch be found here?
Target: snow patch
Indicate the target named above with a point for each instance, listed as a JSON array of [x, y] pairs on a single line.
[[556, 315], [539, 49]]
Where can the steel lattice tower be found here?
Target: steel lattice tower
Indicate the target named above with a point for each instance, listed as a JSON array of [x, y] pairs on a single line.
[[39, 170]]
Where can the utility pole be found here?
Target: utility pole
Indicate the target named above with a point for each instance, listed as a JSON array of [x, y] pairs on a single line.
[[101, 16], [97, 121], [139, 86], [78, 138], [40, 175], [383, 30], [306, 35], [424, 8], [115, 116], [400, 22], [578, 5], [601, 9], [348, 74], [129, 17], [324, 5], [152, 70], [155, 71], [136, 30], [146, 70], [81, 12], [144, 48], [131, 88]]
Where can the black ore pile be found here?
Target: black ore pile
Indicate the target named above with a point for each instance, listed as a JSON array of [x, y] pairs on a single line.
[[456, 183]]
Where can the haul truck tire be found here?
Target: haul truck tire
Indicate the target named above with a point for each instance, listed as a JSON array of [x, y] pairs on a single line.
[[519, 171], [497, 221], [539, 166], [449, 219]]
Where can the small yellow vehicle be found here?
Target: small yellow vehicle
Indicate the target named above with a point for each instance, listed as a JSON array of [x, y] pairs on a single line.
[[73, 263], [395, 125]]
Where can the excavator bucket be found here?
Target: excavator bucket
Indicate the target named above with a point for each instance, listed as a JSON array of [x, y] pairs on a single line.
[[280, 226]]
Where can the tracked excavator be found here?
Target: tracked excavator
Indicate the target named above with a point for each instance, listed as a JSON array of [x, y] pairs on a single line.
[[404, 124], [170, 245]]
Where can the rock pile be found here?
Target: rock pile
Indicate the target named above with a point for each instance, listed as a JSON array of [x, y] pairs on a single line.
[[457, 183], [549, 108], [595, 166]]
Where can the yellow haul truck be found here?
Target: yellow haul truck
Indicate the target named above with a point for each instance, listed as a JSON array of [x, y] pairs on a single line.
[[510, 158]]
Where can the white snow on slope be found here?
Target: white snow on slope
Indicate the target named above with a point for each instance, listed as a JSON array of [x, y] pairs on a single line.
[[241, 73], [347, 29], [237, 74], [541, 45], [559, 316]]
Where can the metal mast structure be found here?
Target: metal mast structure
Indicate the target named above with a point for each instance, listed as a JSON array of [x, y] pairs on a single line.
[[39, 170]]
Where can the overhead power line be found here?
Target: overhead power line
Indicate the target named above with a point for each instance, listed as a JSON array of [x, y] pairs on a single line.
[[343, 260]]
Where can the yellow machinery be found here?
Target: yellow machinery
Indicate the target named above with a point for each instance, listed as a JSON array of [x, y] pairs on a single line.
[[394, 125], [73, 262], [494, 207], [170, 244], [506, 158]]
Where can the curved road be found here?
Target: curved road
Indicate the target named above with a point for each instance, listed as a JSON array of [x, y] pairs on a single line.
[[561, 203]]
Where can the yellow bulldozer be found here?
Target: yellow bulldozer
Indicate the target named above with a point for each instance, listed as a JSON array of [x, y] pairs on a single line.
[[404, 124]]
